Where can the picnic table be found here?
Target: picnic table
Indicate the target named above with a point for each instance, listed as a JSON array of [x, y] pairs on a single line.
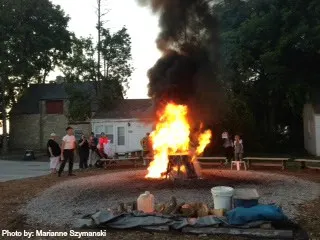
[[304, 163], [133, 156], [264, 161]]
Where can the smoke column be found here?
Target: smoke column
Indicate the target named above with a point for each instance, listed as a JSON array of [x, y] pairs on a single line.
[[186, 72]]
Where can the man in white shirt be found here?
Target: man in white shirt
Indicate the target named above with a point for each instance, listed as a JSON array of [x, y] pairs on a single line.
[[67, 151]]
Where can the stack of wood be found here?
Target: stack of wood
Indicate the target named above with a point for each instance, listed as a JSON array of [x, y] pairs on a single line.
[[196, 209], [172, 207]]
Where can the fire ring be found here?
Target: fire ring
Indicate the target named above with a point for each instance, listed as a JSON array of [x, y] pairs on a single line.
[[64, 203]]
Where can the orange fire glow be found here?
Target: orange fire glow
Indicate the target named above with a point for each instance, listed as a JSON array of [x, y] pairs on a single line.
[[172, 136], [204, 140]]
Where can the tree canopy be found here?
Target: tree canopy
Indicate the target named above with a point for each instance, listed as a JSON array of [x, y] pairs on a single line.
[[270, 52], [81, 66], [117, 65], [34, 39]]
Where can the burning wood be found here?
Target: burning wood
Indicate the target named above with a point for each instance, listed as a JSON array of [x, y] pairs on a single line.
[[171, 137], [180, 166]]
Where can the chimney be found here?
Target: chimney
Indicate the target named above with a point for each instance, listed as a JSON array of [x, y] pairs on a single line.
[[60, 79]]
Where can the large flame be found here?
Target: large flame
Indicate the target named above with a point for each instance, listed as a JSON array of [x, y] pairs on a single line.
[[204, 140], [172, 136]]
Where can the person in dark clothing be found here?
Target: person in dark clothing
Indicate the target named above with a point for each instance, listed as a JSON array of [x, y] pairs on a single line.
[[228, 146], [54, 152], [93, 143], [83, 152]]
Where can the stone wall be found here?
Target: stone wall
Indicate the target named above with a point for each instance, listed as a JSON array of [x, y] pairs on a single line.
[[52, 123], [32, 131], [25, 131]]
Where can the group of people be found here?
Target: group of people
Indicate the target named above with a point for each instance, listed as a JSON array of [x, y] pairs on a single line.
[[60, 155], [233, 148], [88, 150]]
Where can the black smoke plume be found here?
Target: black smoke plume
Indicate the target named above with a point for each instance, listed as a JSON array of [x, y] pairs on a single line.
[[186, 73]]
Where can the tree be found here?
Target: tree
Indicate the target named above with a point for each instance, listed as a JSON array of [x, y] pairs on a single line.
[[271, 52], [79, 103], [33, 40], [116, 53], [117, 58], [100, 14], [80, 64]]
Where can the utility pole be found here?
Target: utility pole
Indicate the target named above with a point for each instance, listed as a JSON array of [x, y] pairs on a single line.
[[99, 40], [101, 12], [4, 117]]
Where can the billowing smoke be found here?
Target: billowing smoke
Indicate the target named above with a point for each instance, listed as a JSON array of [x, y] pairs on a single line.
[[186, 73]]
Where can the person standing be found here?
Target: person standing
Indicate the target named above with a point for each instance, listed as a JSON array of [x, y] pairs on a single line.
[[238, 148], [228, 146], [83, 152], [93, 142], [54, 152], [146, 144], [67, 151], [102, 141]]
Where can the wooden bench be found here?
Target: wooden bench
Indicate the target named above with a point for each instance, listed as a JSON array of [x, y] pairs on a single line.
[[268, 162], [213, 160], [304, 163]]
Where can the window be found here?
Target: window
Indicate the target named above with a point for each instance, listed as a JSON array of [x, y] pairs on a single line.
[[78, 133], [121, 137], [54, 107], [98, 129], [108, 130]]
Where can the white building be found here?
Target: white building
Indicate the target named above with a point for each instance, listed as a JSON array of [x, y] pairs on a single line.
[[126, 124], [311, 126]]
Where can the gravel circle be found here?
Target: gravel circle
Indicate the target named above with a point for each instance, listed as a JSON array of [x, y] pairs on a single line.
[[64, 203]]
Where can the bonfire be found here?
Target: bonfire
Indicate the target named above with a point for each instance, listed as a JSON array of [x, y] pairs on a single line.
[[172, 136]]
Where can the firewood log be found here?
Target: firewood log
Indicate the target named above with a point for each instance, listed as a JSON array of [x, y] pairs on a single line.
[[170, 206], [202, 210], [134, 206], [216, 212], [178, 208], [159, 207], [122, 208], [188, 210]]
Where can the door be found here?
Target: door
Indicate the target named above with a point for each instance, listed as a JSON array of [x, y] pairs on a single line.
[[121, 138]]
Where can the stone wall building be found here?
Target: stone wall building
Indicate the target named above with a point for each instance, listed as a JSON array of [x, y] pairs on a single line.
[[41, 110]]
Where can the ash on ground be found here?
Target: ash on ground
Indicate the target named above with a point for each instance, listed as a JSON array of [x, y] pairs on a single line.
[[64, 203]]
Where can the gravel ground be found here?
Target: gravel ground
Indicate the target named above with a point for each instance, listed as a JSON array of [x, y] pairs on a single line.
[[62, 204]]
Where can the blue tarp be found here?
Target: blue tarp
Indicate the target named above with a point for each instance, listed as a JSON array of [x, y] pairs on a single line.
[[241, 216], [137, 219]]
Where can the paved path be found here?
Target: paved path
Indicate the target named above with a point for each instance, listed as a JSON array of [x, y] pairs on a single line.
[[11, 170]]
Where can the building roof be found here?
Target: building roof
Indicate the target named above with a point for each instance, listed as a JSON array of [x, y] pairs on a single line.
[[127, 109], [28, 103]]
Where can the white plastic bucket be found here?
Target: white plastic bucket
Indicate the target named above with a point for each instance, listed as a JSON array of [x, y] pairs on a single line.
[[222, 197]]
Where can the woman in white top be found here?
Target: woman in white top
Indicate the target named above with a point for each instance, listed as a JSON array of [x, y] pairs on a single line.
[[67, 151]]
